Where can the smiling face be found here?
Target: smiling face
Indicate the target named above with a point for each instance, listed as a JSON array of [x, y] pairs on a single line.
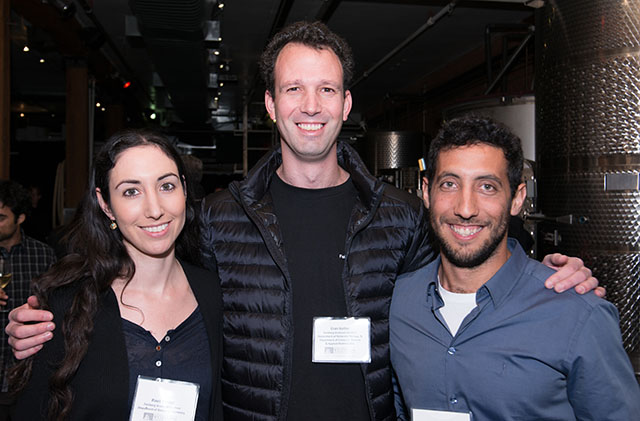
[[470, 204], [147, 201], [310, 103]]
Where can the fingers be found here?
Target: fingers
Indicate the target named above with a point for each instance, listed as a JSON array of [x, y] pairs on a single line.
[[26, 340], [555, 260], [600, 292]]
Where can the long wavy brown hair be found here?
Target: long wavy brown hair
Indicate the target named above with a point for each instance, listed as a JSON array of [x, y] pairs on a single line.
[[97, 256]]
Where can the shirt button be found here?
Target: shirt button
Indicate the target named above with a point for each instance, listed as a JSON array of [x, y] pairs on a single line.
[[158, 348], [167, 338], [158, 363], [451, 350], [453, 400]]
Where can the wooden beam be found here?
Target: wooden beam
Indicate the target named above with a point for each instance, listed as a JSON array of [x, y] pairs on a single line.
[[76, 166], [5, 90]]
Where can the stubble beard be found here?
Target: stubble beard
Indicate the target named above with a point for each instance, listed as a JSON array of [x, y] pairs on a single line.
[[470, 259]]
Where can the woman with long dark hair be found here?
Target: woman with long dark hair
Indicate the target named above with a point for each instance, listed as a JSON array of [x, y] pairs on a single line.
[[130, 297]]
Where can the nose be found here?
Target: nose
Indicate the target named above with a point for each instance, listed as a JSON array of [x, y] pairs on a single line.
[[310, 103], [466, 206], [153, 206]]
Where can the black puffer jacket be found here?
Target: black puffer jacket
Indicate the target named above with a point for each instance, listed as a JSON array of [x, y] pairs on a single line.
[[386, 237]]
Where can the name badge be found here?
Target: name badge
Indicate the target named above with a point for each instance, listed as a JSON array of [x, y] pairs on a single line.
[[157, 399], [341, 340], [431, 415]]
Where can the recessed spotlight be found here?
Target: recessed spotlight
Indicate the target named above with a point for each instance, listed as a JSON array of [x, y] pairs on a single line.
[[21, 114], [216, 52], [25, 49], [152, 116], [103, 109], [97, 105], [221, 84], [41, 60], [220, 5], [222, 66]]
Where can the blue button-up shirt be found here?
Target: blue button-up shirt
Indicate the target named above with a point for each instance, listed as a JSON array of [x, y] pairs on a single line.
[[524, 353]]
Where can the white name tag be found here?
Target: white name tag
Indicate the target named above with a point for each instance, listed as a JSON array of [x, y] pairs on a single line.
[[341, 340], [164, 400], [431, 415]]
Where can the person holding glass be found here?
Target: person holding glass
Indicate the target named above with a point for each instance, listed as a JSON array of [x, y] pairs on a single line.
[[140, 323], [22, 258]]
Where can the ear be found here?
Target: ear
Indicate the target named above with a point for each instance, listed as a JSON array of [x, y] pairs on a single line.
[[518, 199], [103, 205], [425, 192], [346, 109], [21, 218], [269, 104]]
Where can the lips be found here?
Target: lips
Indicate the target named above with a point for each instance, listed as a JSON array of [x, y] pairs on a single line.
[[156, 229], [310, 126]]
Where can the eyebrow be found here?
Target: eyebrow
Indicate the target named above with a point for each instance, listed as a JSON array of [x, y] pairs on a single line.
[[480, 177], [162, 177]]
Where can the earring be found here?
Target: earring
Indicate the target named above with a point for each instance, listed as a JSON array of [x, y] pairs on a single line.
[[274, 120], [113, 225]]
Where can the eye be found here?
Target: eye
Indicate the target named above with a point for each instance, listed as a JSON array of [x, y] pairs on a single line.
[[167, 187], [447, 185], [328, 90], [130, 192], [489, 188], [293, 89]]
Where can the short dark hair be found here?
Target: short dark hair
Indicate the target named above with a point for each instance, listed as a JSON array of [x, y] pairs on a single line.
[[312, 34], [15, 197], [473, 130]]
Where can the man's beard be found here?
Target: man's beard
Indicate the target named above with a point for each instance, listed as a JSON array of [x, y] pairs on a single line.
[[476, 258]]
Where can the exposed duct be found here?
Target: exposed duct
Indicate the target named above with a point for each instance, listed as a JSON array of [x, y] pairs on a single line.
[[174, 33]]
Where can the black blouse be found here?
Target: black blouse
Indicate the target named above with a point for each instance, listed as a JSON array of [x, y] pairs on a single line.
[[183, 354]]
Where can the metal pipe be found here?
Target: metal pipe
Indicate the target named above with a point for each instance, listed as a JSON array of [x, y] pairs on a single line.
[[508, 63], [430, 22]]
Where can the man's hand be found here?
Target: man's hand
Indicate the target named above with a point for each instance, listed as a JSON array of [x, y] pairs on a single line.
[[571, 272], [3, 298], [27, 339]]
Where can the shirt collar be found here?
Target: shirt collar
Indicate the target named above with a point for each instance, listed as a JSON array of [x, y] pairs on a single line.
[[500, 284]]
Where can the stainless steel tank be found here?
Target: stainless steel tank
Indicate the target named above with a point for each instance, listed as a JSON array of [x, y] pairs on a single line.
[[393, 156], [588, 144]]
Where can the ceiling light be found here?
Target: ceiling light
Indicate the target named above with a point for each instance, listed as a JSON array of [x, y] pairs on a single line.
[[103, 109], [97, 104], [221, 84], [41, 60], [216, 52], [215, 98], [25, 49], [152, 116], [222, 66], [21, 114], [220, 5]]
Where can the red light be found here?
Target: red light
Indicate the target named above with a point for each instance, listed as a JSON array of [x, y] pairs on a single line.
[[126, 85]]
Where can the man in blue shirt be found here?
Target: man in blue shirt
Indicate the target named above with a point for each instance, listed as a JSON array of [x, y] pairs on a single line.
[[476, 332]]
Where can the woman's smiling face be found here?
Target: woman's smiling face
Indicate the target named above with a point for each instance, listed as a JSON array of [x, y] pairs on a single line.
[[147, 201]]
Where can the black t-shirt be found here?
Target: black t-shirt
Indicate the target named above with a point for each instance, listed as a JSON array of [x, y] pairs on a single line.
[[314, 228]]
